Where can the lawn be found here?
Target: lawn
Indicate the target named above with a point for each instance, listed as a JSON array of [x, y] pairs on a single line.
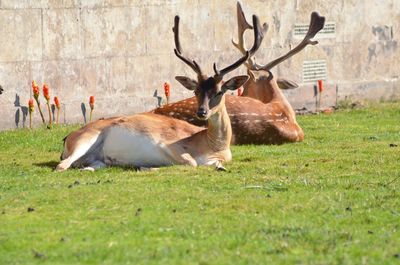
[[332, 199]]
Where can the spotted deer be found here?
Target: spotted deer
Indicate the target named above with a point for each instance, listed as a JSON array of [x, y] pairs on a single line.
[[262, 115], [152, 140]]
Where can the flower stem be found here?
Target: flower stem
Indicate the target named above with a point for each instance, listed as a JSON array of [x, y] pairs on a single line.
[[48, 108], [90, 117], [40, 110], [30, 120], [58, 114]]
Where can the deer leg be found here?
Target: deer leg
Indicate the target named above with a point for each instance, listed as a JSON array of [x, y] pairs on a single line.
[[66, 163], [183, 159], [188, 159], [79, 150], [179, 157]]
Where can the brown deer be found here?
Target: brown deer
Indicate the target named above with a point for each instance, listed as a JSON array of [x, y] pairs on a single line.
[[152, 140], [263, 115]]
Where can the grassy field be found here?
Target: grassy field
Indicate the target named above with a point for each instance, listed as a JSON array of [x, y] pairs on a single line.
[[332, 199]]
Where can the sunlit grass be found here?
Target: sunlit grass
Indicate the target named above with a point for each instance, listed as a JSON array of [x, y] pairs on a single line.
[[332, 199]]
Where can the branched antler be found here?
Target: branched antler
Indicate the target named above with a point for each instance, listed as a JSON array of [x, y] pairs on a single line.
[[219, 74], [243, 25], [258, 37], [316, 24], [178, 49]]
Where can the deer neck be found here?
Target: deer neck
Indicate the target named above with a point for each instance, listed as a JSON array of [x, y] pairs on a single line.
[[261, 86], [280, 97], [219, 131]]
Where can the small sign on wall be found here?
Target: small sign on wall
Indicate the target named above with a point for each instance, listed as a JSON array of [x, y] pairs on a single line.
[[327, 32], [314, 70]]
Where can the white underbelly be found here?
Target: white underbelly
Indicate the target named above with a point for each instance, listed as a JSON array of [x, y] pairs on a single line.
[[125, 147]]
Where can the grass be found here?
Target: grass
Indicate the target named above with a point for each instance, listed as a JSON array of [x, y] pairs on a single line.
[[332, 199]]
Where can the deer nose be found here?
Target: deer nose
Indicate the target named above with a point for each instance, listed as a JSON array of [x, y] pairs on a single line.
[[201, 113]]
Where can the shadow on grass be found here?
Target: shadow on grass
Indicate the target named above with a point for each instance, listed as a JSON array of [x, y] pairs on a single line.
[[53, 165], [49, 164]]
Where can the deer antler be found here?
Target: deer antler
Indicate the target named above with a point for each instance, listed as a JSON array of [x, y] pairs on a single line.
[[316, 24], [178, 49], [258, 37], [243, 25]]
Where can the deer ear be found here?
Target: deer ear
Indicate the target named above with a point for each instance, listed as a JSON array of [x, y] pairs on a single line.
[[286, 84], [187, 82], [235, 82]]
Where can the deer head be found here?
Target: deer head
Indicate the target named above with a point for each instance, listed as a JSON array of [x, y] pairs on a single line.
[[210, 90]]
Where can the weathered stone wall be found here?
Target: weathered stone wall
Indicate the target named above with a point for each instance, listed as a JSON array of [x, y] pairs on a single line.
[[121, 51]]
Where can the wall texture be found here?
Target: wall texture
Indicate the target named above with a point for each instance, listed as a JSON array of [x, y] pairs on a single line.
[[121, 51]]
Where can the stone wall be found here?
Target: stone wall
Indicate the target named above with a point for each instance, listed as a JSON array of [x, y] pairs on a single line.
[[121, 51]]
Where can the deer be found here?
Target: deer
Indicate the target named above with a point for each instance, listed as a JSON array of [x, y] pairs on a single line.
[[262, 115], [150, 140]]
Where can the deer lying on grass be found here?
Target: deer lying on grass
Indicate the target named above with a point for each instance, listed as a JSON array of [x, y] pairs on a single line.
[[269, 121], [152, 140]]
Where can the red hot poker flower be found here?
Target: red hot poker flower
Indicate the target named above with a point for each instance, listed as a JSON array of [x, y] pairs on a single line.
[[91, 102], [31, 105], [35, 89], [167, 90], [320, 86], [46, 93], [239, 92], [57, 102]]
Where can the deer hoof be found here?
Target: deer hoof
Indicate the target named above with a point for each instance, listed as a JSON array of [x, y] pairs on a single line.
[[59, 168], [88, 169], [220, 168]]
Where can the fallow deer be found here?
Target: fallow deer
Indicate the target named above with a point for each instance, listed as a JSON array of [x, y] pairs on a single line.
[[269, 121], [152, 140]]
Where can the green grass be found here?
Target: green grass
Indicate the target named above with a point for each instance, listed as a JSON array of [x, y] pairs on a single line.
[[332, 199]]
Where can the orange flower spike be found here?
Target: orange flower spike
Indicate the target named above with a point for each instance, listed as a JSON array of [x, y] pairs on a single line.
[[36, 92], [167, 89], [239, 92], [320, 86], [91, 102], [46, 93], [35, 89], [57, 102], [31, 105]]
